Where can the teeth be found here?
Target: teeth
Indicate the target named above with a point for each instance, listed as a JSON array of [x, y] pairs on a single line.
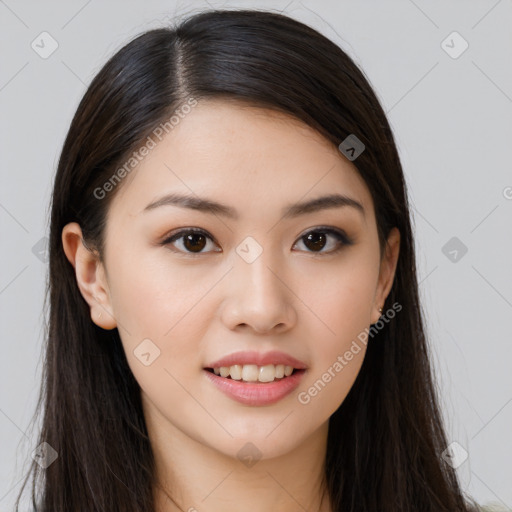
[[249, 372], [235, 372], [267, 373], [254, 373]]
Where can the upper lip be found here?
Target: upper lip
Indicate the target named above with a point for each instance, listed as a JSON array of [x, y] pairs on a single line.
[[260, 359]]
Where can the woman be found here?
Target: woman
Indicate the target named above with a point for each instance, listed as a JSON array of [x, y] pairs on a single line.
[[234, 312]]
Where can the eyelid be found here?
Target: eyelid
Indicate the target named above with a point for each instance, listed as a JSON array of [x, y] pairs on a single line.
[[331, 230], [181, 232], [336, 232]]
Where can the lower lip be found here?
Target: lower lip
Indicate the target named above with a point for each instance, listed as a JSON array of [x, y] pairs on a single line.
[[252, 393]]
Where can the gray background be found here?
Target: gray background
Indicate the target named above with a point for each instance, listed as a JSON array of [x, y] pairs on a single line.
[[452, 118]]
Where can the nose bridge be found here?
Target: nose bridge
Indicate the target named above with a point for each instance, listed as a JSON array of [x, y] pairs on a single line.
[[257, 267], [260, 297]]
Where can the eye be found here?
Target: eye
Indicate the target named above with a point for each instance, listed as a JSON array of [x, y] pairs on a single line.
[[316, 239], [194, 240]]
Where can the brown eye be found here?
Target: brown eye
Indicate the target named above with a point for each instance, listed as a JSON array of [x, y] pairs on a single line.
[[195, 241], [192, 240], [316, 240]]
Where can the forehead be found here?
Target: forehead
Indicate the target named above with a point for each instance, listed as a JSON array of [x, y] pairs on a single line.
[[240, 154]]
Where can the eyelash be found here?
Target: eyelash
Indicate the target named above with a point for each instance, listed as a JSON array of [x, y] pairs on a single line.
[[342, 238]]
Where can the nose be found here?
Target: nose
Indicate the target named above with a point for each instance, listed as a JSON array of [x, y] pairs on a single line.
[[260, 297]]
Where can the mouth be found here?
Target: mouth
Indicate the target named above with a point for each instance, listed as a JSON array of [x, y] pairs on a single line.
[[254, 385], [255, 374]]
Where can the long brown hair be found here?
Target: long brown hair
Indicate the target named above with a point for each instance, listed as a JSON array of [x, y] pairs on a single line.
[[386, 439]]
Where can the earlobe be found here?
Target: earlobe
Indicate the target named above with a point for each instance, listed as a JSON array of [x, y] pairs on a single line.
[[376, 314], [90, 276], [103, 318]]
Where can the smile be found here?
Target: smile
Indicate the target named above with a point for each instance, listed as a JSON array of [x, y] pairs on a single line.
[[254, 373], [256, 392]]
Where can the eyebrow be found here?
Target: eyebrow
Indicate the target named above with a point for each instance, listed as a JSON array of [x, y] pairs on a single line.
[[294, 210]]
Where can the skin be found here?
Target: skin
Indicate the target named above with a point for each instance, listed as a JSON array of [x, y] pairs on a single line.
[[309, 302]]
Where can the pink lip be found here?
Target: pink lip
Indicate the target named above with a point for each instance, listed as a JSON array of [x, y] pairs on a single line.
[[256, 393], [252, 357]]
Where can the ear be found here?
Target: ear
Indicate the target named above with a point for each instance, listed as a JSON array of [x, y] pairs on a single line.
[[90, 276], [387, 272]]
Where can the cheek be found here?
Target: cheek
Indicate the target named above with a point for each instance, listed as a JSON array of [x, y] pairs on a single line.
[[342, 305], [160, 309], [341, 309], [160, 302], [153, 293]]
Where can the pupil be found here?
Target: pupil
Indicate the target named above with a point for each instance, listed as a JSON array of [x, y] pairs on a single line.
[[318, 240], [194, 247]]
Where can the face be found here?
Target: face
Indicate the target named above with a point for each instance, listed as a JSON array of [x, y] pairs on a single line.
[[250, 278]]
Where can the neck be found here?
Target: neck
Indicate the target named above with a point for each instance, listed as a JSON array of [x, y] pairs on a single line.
[[192, 477]]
